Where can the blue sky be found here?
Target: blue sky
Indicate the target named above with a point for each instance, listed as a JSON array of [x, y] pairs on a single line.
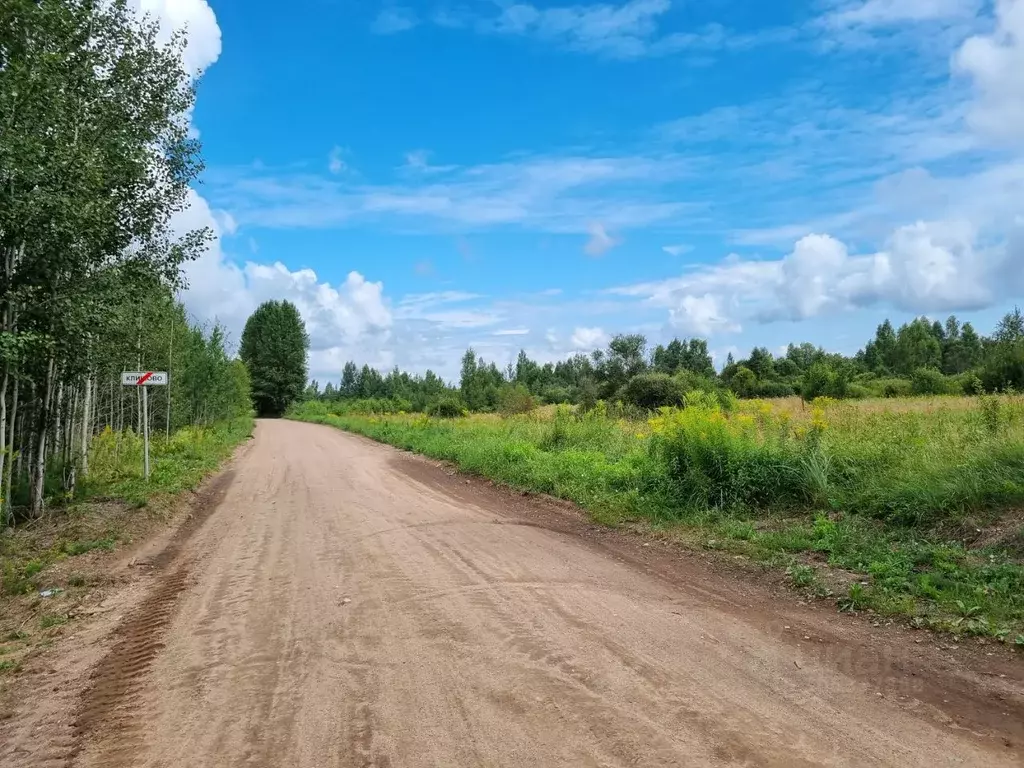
[[420, 177]]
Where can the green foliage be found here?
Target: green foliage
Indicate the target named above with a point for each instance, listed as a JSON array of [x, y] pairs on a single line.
[[651, 391], [179, 462], [1003, 369], [743, 381], [446, 408], [822, 380], [515, 399], [96, 159], [770, 389], [929, 381], [274, 349]]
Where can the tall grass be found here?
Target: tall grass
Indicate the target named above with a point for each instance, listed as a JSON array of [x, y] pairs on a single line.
[[867, 485], [178, 462]]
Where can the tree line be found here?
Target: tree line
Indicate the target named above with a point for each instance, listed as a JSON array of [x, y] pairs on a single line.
[[96, 156], [920, 357]]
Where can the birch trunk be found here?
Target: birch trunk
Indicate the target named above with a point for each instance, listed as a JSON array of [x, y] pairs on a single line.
[[9, 479], [86, 427], [38, 468]]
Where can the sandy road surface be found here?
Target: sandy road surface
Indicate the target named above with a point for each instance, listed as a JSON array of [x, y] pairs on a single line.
[[334, 610]]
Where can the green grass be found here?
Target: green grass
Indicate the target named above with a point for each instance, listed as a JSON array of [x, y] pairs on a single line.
[[115, 460], [178, 463], [878, 490]]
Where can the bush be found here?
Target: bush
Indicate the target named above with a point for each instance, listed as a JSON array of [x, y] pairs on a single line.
[[929, 381], [891, 388], [1004, 369], [822, 380], [691, 381], [743, 382], [515, 399], [587, 395], [857, 392], [970, 384], [769, 389], [556, 395], [446, 408], [653, 390]]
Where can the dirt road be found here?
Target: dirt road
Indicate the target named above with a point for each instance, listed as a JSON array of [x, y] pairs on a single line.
[[345, 605]]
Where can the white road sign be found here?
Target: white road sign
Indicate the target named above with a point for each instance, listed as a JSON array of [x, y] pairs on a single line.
[[145, 378]]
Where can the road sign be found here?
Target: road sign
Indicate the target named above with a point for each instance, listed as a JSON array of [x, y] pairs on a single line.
[[145, 379]]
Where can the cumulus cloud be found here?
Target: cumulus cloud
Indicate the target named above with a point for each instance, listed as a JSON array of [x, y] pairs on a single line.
[[586, 339], [701, 316], [197, 17], [352, 317], [995, 62], [924, 267]]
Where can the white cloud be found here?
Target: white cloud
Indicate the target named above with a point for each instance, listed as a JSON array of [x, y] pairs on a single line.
[[586, 339], [701, 316], [203, 46], [995, 62], [226, 224], [618, 30], [390, 21], [351, 316], [555, 194], [806, 277], [871, 13], [677, 250], [924, 267], [417, 160], [600, 241], [512, 332], [335, 160]]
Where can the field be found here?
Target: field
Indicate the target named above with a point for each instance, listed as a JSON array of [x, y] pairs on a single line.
[[914, 504]]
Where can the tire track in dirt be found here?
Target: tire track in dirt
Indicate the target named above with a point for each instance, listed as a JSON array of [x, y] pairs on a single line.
[[109, 705], [346, 608]]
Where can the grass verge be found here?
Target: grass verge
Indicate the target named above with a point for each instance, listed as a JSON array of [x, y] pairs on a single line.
[[897, 502]]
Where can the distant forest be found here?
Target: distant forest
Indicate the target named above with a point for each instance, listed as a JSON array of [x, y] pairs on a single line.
[[921, 357]]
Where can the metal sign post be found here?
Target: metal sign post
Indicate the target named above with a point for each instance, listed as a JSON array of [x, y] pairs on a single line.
[[145, 380]]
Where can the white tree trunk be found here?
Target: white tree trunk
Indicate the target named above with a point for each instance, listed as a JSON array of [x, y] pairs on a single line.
[[86, 427], [9, 479], [38, 468]]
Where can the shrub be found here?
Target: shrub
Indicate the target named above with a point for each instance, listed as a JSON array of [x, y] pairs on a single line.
[[743, 382], [515, 399], [691, 381], [891, 388], [769, 389], [556, 395], [857, 392], [653, 390], [970, 384], [587, 394], [446, 408], [822, 380], [929, 381], [1004, 369]]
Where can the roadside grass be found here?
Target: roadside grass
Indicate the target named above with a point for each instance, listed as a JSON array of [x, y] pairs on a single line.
[[110, 499], [899, 494]]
